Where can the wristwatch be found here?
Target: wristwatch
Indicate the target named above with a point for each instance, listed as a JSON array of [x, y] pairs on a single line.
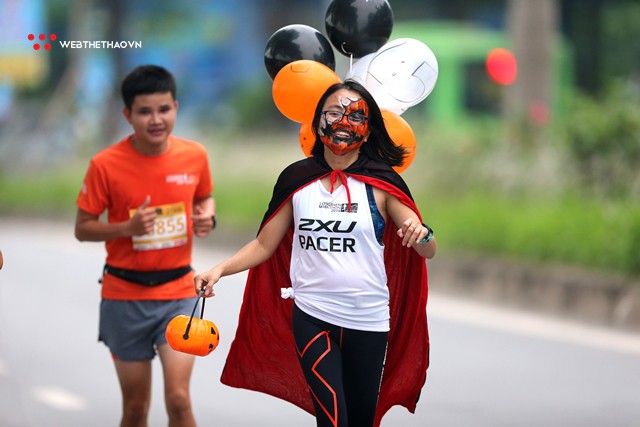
[[429, 235]]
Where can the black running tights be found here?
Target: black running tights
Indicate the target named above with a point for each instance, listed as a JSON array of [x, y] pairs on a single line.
[[343, 368]]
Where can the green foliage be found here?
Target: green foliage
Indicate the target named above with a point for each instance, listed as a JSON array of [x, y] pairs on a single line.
[[242, 205], [256, 108], [620, 50], [602, 137], [479, 193], [52, 195], [515, 199], [566, 231]]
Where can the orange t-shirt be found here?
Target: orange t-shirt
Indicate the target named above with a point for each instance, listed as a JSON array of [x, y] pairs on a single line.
[[118, 180]]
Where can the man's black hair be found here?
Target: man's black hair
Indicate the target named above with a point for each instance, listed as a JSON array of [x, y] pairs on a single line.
[[147, 79]]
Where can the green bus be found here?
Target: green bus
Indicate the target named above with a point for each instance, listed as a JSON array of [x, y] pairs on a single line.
[[464, 90]]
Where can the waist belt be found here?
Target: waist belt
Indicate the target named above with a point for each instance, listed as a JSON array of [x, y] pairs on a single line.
[[147, 278]]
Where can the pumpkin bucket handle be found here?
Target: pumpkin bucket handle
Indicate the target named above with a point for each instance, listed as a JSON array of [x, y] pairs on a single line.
[[186, 332]]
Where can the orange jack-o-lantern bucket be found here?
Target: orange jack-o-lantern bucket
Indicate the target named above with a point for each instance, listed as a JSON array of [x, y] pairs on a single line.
[[193, 336]]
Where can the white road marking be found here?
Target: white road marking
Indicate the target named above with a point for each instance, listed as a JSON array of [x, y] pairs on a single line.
[[531, 324], [59, 398]]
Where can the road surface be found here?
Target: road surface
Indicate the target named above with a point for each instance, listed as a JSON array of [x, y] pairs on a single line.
[[490, 367]]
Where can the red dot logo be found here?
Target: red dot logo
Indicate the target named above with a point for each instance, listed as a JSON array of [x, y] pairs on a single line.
[[41, 37]]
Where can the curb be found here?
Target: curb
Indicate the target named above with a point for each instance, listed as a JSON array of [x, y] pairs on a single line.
[[592, 296]]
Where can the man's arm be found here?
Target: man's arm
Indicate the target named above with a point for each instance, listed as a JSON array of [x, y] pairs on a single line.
[[89, 228], [204, 211]]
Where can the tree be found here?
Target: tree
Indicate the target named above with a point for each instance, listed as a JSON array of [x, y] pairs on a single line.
[[532, 28], [116, 16]]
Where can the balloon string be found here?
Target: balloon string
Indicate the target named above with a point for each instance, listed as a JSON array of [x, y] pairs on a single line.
[[186, 332]]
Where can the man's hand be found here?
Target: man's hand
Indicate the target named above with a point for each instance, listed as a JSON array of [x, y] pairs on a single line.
[[202, 221], [144, 219]]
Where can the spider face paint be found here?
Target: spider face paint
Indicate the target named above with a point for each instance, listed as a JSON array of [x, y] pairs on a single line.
[[344, 126]]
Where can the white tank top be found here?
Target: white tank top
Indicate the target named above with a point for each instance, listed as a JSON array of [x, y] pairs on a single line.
[[337, 265]]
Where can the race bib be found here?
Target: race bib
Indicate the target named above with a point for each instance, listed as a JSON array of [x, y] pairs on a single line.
[[169, 231]]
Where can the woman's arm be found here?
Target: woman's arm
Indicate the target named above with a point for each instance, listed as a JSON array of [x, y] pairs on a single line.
[[252, 254], [410, 228]]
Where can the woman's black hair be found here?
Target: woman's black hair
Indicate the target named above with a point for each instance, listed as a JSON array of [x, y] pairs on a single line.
[[379, 145]]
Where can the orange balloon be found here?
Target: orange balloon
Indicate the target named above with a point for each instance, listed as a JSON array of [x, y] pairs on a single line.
[[307, 138], [202, 337], [298, 87], [402, 135]]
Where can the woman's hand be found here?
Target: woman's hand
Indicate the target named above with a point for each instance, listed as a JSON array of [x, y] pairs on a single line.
[[206, 280], [411, 232]]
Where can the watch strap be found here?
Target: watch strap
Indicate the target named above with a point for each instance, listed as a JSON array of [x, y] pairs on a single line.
[[429, 235]]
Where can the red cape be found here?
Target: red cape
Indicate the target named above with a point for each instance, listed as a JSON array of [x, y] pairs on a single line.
[[263, 355]]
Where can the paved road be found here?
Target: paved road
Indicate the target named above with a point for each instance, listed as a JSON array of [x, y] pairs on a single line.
[[489, 367]]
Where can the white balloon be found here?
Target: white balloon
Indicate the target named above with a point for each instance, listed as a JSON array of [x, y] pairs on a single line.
[[401, 74], [358, 70]]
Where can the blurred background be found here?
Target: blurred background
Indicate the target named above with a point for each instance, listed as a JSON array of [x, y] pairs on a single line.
[[541, 167]]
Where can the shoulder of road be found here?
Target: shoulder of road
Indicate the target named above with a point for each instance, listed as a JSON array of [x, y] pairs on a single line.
[[602, 298], [593, 296], [597, 297]]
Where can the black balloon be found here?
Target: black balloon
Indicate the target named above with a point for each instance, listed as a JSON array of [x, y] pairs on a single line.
[[295, 42], [358, 27]]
